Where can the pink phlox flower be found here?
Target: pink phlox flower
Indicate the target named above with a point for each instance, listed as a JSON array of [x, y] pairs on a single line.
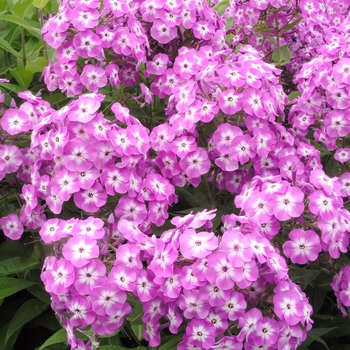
[[51, 231], [201, 333], [115, 179], [342, 155], [87, 44], [145, 287], [196, 163], [15, 121], [174, 318], [322, 181], [123, 277], [131, 231], [287, 306], [215, 295], [90, 276], [258, 208], [323, 205], [159, 186], [82, 20], [278, 265], [107, 299], [60, 276], [171, 287], [164, 257], [91, 227], [131, 209], [158, 65], [79, 155], [129, 256], [162, 32], [230, 102], [266, 332], [11, 158], [248, 323], [234, 306], [344, 181], [93, 77], [153, 309], [288, 204], [197, 245], [337, 123], [123, 141], [236, 246], [80, 307], [91, 199], [11, 226], [30, 198], [79, 250]]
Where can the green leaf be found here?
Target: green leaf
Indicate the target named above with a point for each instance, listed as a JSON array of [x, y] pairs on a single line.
[[40, 3], [315, 335], [229, 23], [9, 286], [21, 22], [138, 330], [171, 344], [40, 293], [27, 311], [291, 25], [195, 200], [22, 76], [18, 264], [221, 7], [7, 47], [23, 8], [293, 95], [59, 337], [7, 345], [284, 55], [37, 66]]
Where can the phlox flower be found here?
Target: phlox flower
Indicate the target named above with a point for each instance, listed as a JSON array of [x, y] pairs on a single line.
[[12, 226], [162, 32], [201, 333], [344, 181], [342, 155], [15, 121], [12, 157], [203, 30], [90, 276], [158, 65], [221, 272], [91, 199], [79, 155], [303, 246], [234, 306], [174, 318], [131, 209], [64, 184], [107, 299], [87, 44], [230, 101], [115, 179], [145, 287], [164, 257], [197, 245], [80, 307], [288, 204], [60, 277], [93, 77], [287, 306], [51, 231], [113, 322], [79, 250], [323, 205], [266, 332], [30, 198], [229, 342], [196, 163], [248, 323], [123, 277]]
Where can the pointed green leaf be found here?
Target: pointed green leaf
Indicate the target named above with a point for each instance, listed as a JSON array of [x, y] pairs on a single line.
[[9, 286], [7, 47], [40, 3], [37, 66], [291, 25], [284, 55], [22, 22], [171, 344], [23, 8], [22, 76], [27, 311], [293, 95], [221, 7], [18, 264], [59, 337]]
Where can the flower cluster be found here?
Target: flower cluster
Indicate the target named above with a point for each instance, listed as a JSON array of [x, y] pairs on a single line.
[[184, 277], [227, 125]]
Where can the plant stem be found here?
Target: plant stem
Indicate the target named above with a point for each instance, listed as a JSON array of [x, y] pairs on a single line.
[[23, 47]]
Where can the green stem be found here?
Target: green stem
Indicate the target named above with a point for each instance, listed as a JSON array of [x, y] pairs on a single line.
[[278, 39], [23, 47]]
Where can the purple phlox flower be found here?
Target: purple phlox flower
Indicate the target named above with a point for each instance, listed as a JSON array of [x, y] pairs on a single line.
[[201, 333], [12, 226]]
